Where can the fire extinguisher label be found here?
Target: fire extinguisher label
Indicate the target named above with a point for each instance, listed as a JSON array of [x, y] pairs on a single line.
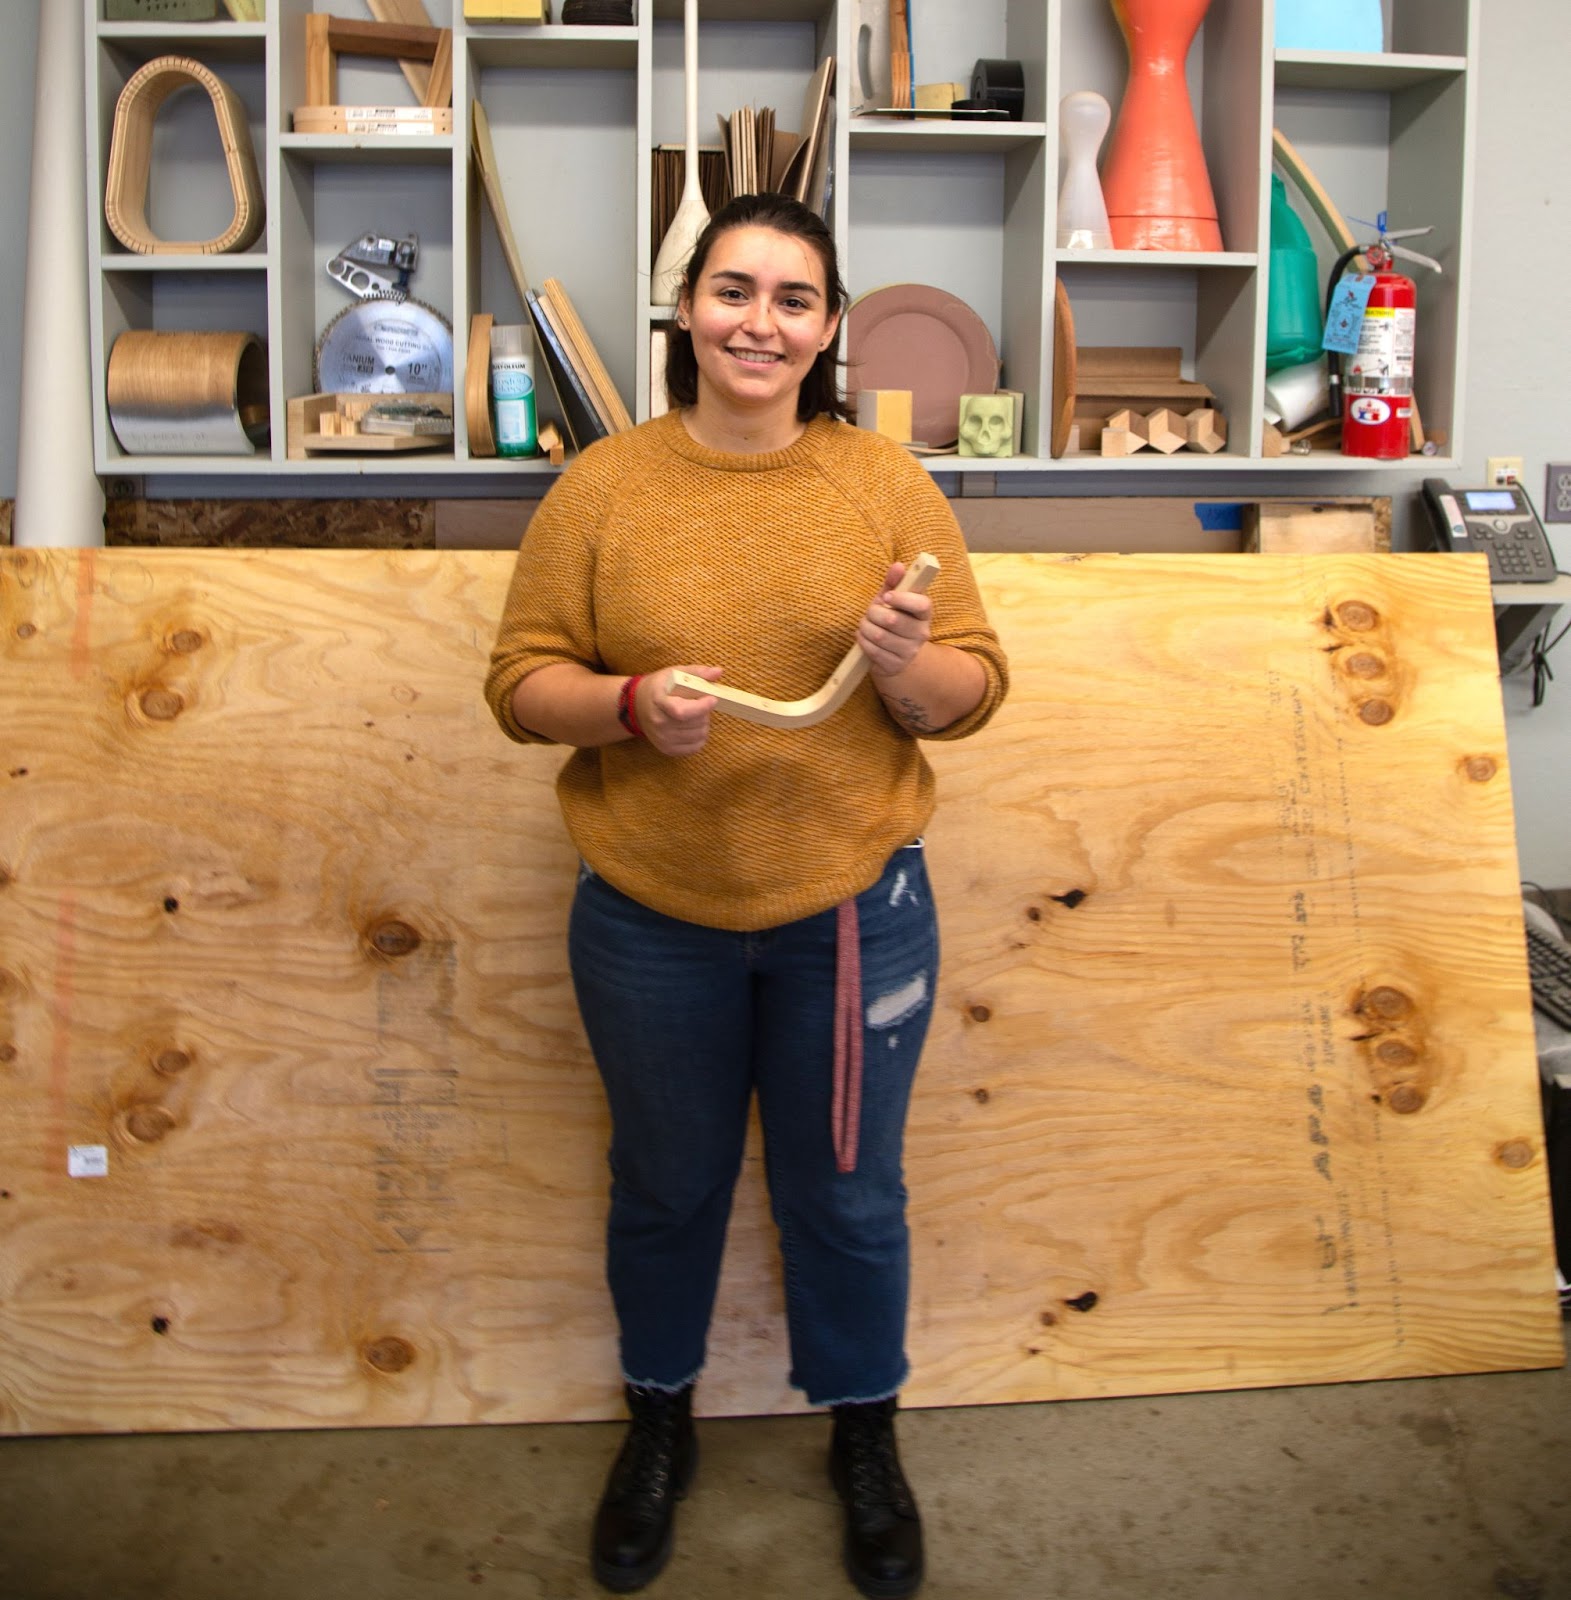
[[1369, 409], [1384, 363]]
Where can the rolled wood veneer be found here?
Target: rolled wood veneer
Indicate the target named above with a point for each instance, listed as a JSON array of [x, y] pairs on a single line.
[[198, 394]]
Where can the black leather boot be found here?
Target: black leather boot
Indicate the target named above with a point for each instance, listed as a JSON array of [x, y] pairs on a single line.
[[883, 1544], [634, 1523]]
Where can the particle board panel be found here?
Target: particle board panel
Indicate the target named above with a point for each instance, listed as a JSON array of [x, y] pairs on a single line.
[[1230, 1082]]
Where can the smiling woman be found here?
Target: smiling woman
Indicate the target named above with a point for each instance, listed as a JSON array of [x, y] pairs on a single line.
[[753, 911]]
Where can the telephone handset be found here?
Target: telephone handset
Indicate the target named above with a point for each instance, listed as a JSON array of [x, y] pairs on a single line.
[[1501, 522]]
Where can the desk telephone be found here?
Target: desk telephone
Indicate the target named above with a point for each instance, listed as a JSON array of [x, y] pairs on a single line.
[[1501, 522]]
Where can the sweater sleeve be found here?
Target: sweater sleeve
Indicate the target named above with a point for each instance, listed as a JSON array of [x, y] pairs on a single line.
[[924, 521], [548, 616]]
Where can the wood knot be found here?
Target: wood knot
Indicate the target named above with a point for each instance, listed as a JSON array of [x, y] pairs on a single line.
[[1034, 913], [1385, 1002], [1049, 1319], [1083, 1302], [981, 1096], [394, 938], [5, 876], [25, 630], [1358, 616], [1396, 1053], [389, 1354], [981, 1013], [1376, 712], [1071, 900], [1364, 665], [149, 1124], [1515, 1154], [1406, 1098], [161, 705], [1480, 769], [171, 1063], [7, 1053], [184, 641]]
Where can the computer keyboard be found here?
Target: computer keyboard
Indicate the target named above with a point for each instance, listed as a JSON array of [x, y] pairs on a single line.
[[1549, 964]]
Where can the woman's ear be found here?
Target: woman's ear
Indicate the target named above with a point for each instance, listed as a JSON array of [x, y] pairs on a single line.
[[830, 332]]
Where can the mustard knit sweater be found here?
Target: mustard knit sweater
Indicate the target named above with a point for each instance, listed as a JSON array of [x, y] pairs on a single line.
[[652, 551]]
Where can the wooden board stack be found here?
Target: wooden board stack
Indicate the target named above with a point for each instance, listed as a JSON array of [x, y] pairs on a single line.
[[1230, 1080]]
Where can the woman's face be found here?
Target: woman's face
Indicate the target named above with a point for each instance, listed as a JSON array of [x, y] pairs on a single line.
[[759, 315]]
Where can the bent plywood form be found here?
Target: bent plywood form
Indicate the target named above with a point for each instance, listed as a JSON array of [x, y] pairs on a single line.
[[1230, 1080], [824, 701]]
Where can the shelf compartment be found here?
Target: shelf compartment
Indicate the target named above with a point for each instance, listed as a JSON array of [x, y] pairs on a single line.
[[1227, 77], [989, 251], [188, 190], [1315, 69], [192, 300], [562, 131], [1208, 312], [324, 205]]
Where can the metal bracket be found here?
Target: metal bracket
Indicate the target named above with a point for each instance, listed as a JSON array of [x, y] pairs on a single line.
[[359, 267]]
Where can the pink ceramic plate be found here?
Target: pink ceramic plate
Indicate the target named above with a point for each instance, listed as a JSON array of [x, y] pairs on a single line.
[[913, 336]]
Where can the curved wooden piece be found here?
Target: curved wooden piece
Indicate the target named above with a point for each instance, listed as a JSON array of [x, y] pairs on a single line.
[[477, 386], [817, 707], [1310, 187], [131, 150]]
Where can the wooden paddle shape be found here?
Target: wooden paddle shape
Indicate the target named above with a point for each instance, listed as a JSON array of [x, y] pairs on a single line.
[[691, 213], [817, 707]]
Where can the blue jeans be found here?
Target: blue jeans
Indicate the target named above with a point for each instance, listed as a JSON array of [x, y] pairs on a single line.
[[685, 1022]]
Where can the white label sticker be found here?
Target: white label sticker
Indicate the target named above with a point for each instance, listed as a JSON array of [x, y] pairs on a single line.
[[87, 1160]]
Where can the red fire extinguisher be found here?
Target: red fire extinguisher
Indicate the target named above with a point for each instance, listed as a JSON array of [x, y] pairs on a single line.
[[1377, 382]]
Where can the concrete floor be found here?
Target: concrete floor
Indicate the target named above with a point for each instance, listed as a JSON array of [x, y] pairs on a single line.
[[1426, 1489]]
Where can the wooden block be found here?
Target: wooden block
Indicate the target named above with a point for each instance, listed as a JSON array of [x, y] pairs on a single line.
[[1148, 363], [1273, 442], [1264, 996], [321, 68], [507, 10], [413, 14], [550, 440], [1165, 431], [439, 92], [885, 411], [1123, 434], [939, 96], [1205, 429], [1286, 527]]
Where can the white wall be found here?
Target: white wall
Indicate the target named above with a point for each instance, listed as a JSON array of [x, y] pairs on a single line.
[[16, 155], [1518, 397]]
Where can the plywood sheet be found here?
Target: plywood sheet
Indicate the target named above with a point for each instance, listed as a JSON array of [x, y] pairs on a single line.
[[1231, 1081]]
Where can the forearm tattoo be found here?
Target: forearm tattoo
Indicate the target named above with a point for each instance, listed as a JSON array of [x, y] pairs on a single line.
[[911, 715]]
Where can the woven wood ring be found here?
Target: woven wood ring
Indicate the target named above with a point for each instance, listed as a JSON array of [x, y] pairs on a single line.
[[131, 150]]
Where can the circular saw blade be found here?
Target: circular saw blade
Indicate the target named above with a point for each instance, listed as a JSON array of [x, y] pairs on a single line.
[[385, 346]]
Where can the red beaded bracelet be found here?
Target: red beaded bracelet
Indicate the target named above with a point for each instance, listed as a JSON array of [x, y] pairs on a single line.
[[626, 706]]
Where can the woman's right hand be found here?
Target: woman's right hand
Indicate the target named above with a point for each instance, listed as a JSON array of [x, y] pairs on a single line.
[[675, 723]]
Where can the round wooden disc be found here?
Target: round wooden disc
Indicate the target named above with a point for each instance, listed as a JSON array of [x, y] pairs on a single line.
[[477, 386], [1063, 369]]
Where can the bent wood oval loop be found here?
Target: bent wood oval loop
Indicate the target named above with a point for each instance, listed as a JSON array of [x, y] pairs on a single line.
[[131, 151]]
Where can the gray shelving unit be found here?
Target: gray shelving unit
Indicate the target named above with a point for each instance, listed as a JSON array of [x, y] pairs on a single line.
[[970, 208]]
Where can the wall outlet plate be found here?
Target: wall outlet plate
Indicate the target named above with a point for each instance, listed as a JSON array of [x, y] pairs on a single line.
[[1557, 492]]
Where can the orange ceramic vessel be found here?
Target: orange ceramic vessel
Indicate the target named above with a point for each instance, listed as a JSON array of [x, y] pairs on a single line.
[[1155, 181]]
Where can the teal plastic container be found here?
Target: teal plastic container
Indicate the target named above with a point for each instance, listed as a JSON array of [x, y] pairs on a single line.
[[1294, 325]]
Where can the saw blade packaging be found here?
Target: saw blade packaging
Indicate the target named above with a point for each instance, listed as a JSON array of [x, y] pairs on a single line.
[[386, 342]]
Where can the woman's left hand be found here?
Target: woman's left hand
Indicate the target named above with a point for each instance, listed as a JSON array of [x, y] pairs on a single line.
[[895, 627]]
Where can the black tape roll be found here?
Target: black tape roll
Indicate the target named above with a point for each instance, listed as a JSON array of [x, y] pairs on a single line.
[[1002, 82]]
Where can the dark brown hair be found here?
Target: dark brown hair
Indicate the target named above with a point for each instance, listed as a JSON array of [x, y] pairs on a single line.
[[820, 392]]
